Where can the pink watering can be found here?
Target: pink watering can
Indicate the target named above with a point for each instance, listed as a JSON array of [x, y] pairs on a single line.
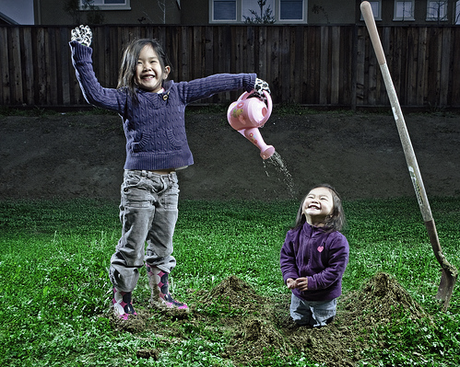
[[246, 115]]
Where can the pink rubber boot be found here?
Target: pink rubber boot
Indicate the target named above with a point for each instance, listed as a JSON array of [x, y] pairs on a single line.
[[158, 281], [122, 305]]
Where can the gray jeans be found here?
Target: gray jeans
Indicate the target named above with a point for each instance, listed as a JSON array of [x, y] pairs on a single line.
[[148, 213], [312, 313]]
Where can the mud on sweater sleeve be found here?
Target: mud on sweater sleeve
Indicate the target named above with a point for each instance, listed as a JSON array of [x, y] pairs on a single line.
[[206, 87], [94, 93]]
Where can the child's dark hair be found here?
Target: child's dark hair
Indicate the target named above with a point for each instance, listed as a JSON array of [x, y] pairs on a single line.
[[126, 77], [334, 222]]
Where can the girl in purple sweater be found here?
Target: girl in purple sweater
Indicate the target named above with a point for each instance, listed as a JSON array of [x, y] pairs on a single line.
[[314, 257], [152, 110]]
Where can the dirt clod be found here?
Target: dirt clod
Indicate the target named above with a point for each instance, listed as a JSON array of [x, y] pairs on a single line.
[[148, 353]]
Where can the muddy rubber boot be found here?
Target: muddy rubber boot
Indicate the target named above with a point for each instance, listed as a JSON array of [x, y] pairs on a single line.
[[159, 285], [122, 305]]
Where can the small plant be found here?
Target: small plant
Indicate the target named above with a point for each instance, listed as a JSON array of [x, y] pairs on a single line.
[[78, 8], [263, 17], [316, 9]]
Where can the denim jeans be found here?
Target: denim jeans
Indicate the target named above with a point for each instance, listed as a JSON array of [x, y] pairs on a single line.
[[148, 213], [313, 313]]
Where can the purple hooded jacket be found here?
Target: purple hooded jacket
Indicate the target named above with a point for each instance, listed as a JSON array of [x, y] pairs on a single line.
[[311, 252]]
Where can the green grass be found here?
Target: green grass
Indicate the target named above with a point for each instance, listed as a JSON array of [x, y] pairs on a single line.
[[55, 292]]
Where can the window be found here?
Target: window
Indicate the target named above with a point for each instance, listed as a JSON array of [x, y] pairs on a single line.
[[105, 4], [273, 11], [249, 6], [404, 10], [376, 9], [457, 12], [436, 11], [224, 10], [291, 10]]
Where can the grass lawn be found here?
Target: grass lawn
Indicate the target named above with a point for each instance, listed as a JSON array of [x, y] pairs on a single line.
[[55, 293]]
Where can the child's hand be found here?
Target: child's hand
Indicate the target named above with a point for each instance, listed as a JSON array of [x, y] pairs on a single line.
[[302, 284], [260, 86], [291, 283], [82, 35]]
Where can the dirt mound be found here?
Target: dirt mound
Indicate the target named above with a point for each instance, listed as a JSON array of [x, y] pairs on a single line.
[[261, 326], [234, 292], [381, 299]]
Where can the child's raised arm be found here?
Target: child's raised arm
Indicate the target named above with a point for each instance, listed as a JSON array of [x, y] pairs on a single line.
[[94, 93]]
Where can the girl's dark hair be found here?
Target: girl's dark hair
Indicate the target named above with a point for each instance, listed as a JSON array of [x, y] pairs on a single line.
[[126, 77], [334, 222]]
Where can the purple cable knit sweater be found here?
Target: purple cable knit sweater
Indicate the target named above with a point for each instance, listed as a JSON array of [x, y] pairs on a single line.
[[155, 125], [321, 257]]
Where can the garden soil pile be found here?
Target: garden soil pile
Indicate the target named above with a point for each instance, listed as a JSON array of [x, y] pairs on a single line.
[[258, 325]]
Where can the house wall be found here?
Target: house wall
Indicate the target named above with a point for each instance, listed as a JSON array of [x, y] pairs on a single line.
[[419, 14], [197, 12], [52, 12], [332, 12]]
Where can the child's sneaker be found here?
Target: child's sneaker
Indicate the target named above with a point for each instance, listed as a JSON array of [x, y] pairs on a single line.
[[159, 285], [122, 304]]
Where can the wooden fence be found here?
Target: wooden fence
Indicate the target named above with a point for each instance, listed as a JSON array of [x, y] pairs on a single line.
[[324, 66]]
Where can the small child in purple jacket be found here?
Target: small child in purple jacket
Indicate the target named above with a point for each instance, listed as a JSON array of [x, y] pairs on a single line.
[[314, 257]]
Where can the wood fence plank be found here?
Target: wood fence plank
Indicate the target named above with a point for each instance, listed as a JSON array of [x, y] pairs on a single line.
[[360, 65], [249, 63], [455, 69], [335, 65], [422, 69], [304, 55], [297, 65], [315, 67], [184, 62], [197, 60], [434, 49], [444, 75], [346, 67], [411, 66], [15, 66], [27, 65], [208, 51], [273, 73], [293, 79], [324, 66], [53, 80], [42, 68], [5, 94]]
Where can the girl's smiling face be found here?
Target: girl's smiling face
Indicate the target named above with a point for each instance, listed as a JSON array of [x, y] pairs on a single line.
[[149, 70], [318, 205]]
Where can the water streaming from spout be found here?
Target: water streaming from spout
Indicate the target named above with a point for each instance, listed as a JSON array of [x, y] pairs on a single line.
[[276, 161]]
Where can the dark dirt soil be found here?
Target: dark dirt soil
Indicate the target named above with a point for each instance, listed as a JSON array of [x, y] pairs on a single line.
[[258, 325], [72, 156]]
